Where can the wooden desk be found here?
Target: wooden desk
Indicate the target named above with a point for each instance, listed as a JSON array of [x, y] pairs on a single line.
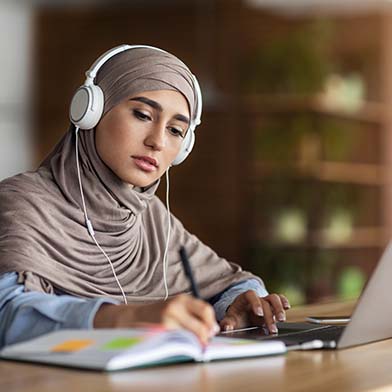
[[362, 368]]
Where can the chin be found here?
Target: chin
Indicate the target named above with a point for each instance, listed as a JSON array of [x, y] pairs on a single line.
[[139, 182]]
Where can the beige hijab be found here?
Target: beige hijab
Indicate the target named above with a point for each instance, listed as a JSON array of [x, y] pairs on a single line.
[[43, 235]]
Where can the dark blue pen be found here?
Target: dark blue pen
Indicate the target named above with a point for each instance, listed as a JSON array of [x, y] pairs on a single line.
[[188, 272]]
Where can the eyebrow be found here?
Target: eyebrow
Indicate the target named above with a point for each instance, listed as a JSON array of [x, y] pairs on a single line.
[[157, 106]]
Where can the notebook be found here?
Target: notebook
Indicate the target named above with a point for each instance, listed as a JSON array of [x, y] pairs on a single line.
[[371, 319], [116, 349]]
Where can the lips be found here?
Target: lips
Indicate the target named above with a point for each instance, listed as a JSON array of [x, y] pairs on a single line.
[[145, 163]]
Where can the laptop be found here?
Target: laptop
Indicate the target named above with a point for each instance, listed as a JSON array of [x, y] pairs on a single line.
[[370, 321]]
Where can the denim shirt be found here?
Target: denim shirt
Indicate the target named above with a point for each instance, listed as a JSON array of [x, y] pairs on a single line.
[[24, 315]]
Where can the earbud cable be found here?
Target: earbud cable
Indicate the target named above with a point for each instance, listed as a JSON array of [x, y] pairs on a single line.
[[167, 236], [88, 222]]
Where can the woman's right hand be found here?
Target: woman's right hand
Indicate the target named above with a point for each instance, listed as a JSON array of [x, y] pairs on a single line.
[[182, 311]]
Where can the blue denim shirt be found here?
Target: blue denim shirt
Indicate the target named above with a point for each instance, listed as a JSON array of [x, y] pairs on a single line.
[[24, 315]]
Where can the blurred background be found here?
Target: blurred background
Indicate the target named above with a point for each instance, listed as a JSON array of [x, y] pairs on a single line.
[[290, 176]]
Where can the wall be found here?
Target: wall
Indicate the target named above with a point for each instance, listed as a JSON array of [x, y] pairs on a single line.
[[16, 32]]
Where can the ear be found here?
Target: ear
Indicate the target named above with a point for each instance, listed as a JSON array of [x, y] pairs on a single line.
[[186, 147]]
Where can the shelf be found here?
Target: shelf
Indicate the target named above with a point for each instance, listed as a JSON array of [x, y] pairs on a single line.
[[361, 237], [369, 112], [340, 172]]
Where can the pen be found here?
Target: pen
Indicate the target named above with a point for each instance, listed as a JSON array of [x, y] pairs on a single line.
[[188, 272]]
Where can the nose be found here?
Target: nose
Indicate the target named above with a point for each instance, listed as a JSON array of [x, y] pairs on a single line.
[[156, 137]]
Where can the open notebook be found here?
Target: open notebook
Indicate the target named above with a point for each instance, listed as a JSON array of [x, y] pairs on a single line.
[[115, 349]]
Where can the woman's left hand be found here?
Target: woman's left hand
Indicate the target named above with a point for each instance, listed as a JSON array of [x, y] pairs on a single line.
[[248, 309]]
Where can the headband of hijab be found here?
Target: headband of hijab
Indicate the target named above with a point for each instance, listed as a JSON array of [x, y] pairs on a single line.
[[145, 69]]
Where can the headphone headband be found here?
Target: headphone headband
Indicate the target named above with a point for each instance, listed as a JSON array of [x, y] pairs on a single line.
[[92, 72], [88, 101]]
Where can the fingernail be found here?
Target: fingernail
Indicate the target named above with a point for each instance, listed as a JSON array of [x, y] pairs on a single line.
[[281, 316], [274, 329], [215, 329], [259, 311], [204, 343]]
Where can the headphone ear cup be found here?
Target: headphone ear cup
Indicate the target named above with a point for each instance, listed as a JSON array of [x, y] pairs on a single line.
[[87, 106], [186, 147]]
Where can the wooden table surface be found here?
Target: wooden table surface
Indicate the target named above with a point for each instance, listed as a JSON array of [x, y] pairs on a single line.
[[361, 368]]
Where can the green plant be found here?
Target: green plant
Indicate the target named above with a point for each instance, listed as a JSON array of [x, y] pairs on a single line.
[[297, 62]]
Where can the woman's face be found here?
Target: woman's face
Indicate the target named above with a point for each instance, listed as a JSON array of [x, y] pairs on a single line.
[[139, 138]]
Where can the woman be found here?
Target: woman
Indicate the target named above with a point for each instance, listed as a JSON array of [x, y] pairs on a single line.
[[84, 240]]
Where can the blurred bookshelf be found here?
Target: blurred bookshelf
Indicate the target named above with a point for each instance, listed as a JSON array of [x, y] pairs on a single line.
[[367, 112], [342, 172], [316, 108]]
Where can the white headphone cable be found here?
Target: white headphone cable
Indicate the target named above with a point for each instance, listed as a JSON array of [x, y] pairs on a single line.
[[167, 236], [88, 222]]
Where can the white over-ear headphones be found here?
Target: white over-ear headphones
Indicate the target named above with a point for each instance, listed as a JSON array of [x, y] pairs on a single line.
[[88, 102]]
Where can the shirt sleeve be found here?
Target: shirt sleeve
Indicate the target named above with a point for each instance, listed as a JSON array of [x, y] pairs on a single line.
[[223, 300], [24, 315]]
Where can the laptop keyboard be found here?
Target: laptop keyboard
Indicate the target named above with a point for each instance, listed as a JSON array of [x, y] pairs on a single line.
[[326, 334], [294, 333]]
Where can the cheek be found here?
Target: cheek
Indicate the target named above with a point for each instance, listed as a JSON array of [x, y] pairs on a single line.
[[118, 138], [110, 145], [172, 152]]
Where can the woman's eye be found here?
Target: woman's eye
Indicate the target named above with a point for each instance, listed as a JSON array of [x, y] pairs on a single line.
[[141, 115], [176, 131]]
